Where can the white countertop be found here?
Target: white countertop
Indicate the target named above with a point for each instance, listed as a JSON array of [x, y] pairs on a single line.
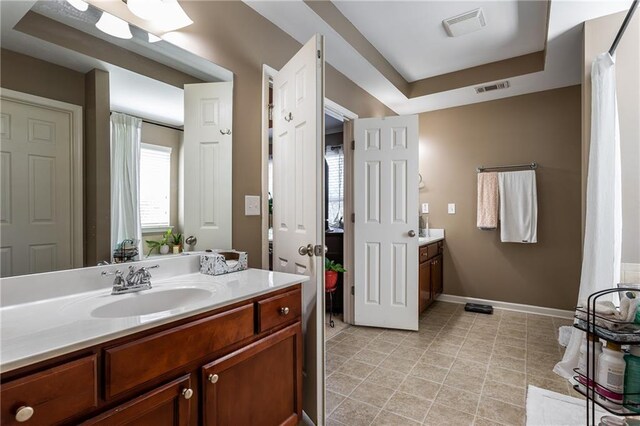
[[434, 236], [42, 329]]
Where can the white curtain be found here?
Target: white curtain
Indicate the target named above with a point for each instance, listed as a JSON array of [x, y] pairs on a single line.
[[603, 227], [125, 179]]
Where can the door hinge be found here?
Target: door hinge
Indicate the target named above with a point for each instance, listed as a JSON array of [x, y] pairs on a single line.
[[353, 145], [270, 111], [353, 290], [353, 218], [319, 54]]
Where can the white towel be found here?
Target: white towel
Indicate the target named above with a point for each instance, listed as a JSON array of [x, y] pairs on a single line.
[[518, 207]]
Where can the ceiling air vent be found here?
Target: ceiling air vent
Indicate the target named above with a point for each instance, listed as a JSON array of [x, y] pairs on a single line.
[[491, 87], [465, 23]]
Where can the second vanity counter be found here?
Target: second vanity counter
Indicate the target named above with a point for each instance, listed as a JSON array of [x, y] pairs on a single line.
[[42, 329]]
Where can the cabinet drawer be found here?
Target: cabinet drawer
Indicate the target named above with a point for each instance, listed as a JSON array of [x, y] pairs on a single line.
[[54, 395], [132, 364], [278, 310], [168, 405], [432, 250], [424, 255]]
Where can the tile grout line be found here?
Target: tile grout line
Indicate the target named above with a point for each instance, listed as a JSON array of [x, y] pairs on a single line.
[[484, 380]]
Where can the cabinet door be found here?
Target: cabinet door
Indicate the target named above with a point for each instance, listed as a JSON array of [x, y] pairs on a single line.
[[168, 405], [425, 285], [260, 384], [436, 275]]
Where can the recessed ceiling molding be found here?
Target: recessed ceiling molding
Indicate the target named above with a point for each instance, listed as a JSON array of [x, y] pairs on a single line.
[[39, 26], [114, 26], [513, 67], [329, 13], [521, 65]]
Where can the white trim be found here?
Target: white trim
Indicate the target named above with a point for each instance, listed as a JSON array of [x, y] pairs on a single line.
[[337, 111], [77, 162], [529, 309]]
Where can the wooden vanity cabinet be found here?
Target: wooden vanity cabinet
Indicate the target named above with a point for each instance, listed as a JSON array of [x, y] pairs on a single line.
[[259, 384], [165, 375], [430, 278]]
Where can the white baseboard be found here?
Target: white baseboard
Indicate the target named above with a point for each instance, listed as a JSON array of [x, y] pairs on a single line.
[[529, 309]]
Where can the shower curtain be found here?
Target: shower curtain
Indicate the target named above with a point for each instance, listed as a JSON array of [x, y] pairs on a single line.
[[125, 180], [603, 227]]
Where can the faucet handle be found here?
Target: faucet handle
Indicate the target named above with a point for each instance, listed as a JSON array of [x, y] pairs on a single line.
[[116, 272]]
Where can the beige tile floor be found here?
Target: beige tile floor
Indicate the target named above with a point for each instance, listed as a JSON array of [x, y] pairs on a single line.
[[460, 368]]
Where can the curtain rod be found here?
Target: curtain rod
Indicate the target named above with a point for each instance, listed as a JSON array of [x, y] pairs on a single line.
[[531, 166], [623, 28], [156, 123]]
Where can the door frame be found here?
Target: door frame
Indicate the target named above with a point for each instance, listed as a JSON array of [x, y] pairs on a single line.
[[77, 165]]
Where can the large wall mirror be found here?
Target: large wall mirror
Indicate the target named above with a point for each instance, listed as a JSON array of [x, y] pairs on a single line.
[[111, 137]]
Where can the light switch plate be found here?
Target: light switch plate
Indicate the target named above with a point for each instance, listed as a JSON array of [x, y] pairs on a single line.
[[451, 208], [425, 208], [252, 205]]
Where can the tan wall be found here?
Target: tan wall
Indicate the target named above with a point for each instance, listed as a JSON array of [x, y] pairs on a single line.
[[598, 36], [36, 77], [542, 127], [171, 138]]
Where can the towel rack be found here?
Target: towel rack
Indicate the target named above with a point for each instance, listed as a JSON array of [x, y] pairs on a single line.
[[530, 166]]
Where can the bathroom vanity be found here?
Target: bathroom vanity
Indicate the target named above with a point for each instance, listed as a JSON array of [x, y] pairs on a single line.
[[430, 278], [227, 351]]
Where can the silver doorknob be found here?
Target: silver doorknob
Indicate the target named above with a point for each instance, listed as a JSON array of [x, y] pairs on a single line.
[[306, 251], [187, 393], [24, 413], [284, 311], [213, 378], [412, 233]]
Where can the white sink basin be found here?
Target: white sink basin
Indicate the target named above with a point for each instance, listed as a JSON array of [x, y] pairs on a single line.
[[136, 304]]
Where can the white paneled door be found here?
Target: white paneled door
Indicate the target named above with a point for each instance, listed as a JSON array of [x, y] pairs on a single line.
[[386, 222], [36, 205], [298, 169], [207, 160]]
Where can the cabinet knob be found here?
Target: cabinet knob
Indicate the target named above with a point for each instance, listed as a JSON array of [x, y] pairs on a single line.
[[213, 378], [24, 413], [284, 311], [187, 393]]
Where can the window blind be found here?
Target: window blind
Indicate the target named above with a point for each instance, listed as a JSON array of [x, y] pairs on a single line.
[[335, 162], [155, 185]]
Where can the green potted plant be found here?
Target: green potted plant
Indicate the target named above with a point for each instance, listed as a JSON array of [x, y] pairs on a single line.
[[177, 243], [331, 270], [162, 245]]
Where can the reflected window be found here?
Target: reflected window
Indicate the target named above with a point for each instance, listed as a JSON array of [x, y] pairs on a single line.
[[155, 185]]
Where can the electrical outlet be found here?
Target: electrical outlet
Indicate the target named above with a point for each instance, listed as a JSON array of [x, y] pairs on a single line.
[[451, 208], [252, 205], [425, 208]]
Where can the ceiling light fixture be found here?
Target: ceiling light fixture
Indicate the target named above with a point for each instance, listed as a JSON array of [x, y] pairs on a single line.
[[79, 4], [114, 26], [167, 14], [153, 38]]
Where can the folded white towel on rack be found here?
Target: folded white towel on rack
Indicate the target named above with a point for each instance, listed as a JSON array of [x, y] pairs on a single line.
[[518, 207]]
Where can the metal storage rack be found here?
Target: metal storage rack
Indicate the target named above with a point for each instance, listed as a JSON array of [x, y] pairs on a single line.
[[620, 332]]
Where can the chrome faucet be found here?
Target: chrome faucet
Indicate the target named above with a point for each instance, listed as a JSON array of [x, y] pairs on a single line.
[[136, 279]]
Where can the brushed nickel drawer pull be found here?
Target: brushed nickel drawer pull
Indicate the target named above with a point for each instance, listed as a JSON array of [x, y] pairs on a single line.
[[24, 413], [187, 393], [284, 311], [213, 378]]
